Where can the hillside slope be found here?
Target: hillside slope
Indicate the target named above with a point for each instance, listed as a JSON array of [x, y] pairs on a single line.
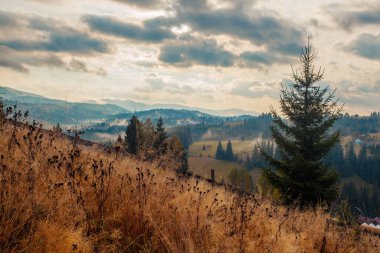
[[53, 111], [58, 195]]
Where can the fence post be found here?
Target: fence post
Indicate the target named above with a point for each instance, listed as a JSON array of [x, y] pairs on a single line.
[[213, 175]]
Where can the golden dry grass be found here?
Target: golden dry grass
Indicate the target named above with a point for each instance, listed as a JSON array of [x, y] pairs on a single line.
[[202, 166], [56, 196]]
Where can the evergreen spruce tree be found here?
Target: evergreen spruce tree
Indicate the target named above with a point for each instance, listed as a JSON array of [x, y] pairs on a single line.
[[350, 194], [2, 113], [161, 141], [184, 163], [247, 163], [352, 159], [256, 158], [131, 135], [229, 154], [362, 158], [146, 143], [338, 160], [57, 128], [251, 183], [119, 140], [303, 139], [219, 152]]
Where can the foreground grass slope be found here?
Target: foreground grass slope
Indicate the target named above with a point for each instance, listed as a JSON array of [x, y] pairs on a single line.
[[58, 195]]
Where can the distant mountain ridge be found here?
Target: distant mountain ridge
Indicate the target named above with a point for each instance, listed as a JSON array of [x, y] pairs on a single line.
[[138, 106], [53, 111], [114, 112], [171, 117]]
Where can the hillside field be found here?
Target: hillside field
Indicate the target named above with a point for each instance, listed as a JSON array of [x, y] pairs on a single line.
[[202, 166], [59, 195], [238, 146]]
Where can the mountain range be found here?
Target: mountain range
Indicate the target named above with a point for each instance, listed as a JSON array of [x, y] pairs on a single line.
[[52, 111], [113, 112], [138, 106]]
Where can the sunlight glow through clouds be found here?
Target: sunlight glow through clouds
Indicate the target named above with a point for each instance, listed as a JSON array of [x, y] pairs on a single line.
[[203, 54]]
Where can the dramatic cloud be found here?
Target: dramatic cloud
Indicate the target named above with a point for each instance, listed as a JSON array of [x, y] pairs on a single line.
[[158, 85], [114, 27], [254, 89], [56, 37], [21, 61], [260, 29], [209, 53], [167, 49], [7, 20], [13, 65], [357, 94], [142, 3], [70, 41], [257, 59], [50, 61], [274, 35], [348, 19], [80, 66], [202, 53], [366, 45]]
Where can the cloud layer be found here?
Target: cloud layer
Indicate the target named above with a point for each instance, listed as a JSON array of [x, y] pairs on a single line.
[[365, 45], [211, 52]]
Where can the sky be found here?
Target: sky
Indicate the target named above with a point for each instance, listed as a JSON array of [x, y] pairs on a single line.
[[215, 54]]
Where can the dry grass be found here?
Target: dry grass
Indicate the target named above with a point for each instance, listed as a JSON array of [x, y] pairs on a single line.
[[202, 166], [59, 196]]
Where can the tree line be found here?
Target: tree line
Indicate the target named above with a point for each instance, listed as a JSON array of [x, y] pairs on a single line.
[[364, 163], [225, 154], [151, 142], [363, 200]]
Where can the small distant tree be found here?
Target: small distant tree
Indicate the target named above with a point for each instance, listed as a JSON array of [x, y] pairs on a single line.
[[119, 143], [161, 140], [175, 146], [229, 154], [352, 159], [219, 152], [184, 163], [178, 154], [57, 128], [148, 139], [2, 113], [303, 139], [131, 135]]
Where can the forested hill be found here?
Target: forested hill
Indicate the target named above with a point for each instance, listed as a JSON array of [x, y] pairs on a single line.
[[170, 116], [53, 111], [355, 124]]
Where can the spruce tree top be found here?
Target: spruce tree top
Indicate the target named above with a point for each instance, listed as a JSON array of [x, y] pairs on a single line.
[[229, 154], [131, 137], [160, 125], [160, 144], [219, 151], [303, 137]]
